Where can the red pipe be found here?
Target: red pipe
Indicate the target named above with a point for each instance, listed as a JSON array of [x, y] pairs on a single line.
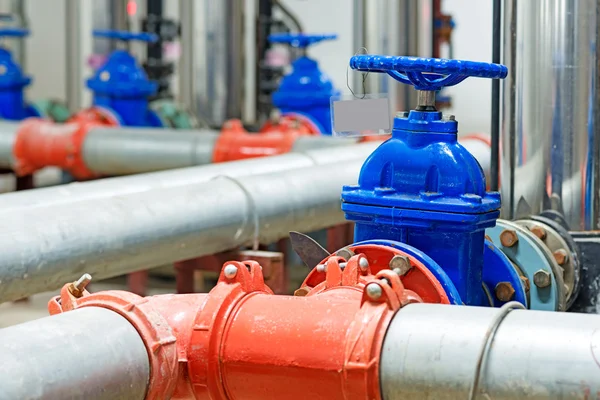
[[241, 341]]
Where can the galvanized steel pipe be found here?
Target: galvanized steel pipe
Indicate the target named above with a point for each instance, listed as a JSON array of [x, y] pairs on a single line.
[[91, 353], [164, 180], [44, 247], [430, 352]]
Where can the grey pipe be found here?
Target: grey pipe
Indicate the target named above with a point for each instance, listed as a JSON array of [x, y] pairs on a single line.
[[430, 351], [164, 180], [189, 50], [91, 353], [44, 247], [74, 58], [123, 151]]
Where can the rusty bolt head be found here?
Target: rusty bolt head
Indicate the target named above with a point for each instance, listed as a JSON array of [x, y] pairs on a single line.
[[509, 238], [400, 265], [505, 291], [345, 253], [542, 279], [538, 231], [526, 283], [303, 291], [76, 288], [561, 256]]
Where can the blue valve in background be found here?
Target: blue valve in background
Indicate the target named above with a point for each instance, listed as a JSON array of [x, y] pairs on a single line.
[[423, 189], [121, 86], [13, 82], [306, 92]]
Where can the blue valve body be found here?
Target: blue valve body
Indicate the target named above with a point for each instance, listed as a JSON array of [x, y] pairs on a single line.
[[13, 82], [306, 90], [121, 85], [423, 189]]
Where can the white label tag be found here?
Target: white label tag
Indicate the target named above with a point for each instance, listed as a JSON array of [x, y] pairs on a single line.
[[352, 116]]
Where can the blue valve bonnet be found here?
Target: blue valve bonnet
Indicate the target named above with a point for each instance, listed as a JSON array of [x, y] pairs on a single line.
[[121, 84], [306, 90], [421, 187]]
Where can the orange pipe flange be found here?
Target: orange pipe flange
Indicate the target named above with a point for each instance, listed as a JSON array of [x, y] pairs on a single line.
[[417, 278], [294, 125], [241, 341], [41, 143]]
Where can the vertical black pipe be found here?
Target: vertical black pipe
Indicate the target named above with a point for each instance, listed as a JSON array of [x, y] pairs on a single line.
[[495, 129], [154, 13]]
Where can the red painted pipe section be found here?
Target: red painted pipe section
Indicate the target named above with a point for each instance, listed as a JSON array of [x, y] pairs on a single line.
[[242, 342], [41, 143], [236, 143]]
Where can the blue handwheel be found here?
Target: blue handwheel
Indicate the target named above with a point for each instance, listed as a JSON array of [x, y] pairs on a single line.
[[427, 73], [300, 40]]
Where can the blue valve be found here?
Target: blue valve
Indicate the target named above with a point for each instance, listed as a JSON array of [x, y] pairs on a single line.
[[422, 189], [121, 87], [305, 93], [125, 36], [427, 73], [13, 81], [300, 40]]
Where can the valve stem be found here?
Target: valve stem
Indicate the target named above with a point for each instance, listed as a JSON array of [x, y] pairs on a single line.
[[426, 100]]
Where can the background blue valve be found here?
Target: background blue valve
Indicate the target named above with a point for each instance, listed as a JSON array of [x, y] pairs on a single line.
[[125, 36], [300, 40], [14, 32], [427, 73]]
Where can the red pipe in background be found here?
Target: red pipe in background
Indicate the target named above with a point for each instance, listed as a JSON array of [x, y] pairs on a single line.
[[236, 143], [241, 341], [41, 143]]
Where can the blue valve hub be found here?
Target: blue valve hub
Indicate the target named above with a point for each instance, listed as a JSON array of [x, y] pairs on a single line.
[[13, 81], [307, 90], [121, 86], [421, 187]]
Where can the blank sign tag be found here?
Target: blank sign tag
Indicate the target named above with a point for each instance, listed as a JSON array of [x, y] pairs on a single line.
[[366, 116]]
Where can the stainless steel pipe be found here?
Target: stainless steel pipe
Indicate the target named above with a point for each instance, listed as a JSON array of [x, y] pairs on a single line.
[[164, 180], [44, 247], [90, 353], [551, 110], [430, 351]]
